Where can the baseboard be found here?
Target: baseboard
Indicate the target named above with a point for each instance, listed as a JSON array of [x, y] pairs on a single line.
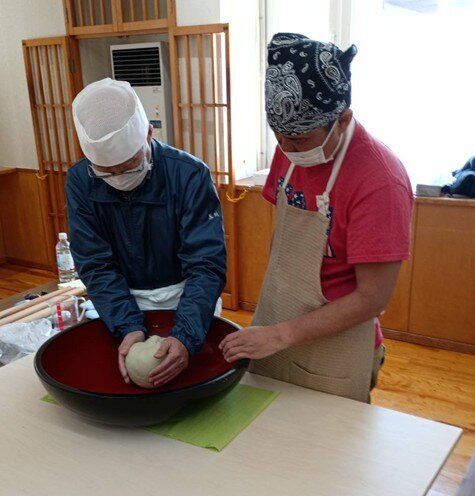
[[27, 169], [247, 305], [243, 305], [228, 301], [29, 264], [444, 344]]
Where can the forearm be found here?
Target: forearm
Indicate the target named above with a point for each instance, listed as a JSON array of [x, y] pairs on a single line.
[[111, 296], [196, 309], [375, 283], [335, 317]]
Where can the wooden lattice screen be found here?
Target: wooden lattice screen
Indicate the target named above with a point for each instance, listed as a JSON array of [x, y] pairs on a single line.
[[202, 117], [89, 16], [54, 77], [94, 17]]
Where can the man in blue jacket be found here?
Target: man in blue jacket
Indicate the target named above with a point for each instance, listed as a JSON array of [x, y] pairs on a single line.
[[145, 226]]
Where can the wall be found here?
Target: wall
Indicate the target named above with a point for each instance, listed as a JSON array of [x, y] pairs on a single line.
[[246, 87], [192, 12], [21, 19]]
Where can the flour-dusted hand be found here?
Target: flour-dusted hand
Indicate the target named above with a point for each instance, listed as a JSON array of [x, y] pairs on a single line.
[[124, 348], [253, 342], [175, 358]]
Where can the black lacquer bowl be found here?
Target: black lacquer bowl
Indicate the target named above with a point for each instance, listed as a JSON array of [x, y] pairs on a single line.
[[78, 367]]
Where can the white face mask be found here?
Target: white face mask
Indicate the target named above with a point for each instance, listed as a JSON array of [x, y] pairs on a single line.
[[315, 156], [130, 181]]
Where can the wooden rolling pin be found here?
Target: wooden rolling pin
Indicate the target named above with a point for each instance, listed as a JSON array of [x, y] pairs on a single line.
[[42, 314], [18, 308], [40, 310]]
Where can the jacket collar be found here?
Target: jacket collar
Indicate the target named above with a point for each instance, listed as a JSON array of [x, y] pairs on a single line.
[[152, 190]]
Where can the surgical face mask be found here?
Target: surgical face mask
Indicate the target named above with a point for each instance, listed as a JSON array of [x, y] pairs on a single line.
[[131, 179], [315, 156]]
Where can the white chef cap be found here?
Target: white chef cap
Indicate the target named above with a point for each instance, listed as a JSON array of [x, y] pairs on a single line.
[[110, 122]]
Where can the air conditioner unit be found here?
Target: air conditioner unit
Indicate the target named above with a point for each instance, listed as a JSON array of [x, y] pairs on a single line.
[[146, 67]]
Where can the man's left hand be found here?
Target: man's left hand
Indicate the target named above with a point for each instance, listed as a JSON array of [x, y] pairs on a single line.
[[175, 358], [252, 342]]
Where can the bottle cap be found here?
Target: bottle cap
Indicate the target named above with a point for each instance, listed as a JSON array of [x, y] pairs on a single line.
[[63, 236]]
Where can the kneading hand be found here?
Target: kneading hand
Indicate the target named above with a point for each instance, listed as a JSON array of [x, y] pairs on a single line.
[[124, 348], [175, 359], [252, 342]]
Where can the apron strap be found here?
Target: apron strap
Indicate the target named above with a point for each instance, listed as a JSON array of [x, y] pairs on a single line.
[[323, 201], [287, 176]]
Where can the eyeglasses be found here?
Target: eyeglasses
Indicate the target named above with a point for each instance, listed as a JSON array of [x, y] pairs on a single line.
[[146, 162], [101, 175]]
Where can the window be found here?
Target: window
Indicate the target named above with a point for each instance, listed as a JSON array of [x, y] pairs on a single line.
[[412, 78], [311, 18], [413, 81]]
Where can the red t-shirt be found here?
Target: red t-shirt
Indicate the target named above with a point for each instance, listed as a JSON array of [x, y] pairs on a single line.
[[370, 207]]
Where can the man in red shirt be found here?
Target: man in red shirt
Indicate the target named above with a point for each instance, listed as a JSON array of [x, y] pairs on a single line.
[[344, 205]]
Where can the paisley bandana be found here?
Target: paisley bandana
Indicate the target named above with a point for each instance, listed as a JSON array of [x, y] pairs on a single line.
[[308, 83]]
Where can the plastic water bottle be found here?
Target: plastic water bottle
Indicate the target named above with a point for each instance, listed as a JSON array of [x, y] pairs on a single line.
[[66, 269]]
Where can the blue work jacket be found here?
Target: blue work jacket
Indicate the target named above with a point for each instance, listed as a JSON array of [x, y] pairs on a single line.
[[167, 230]]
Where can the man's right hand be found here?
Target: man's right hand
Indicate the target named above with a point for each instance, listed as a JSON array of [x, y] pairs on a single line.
[[124, 348]]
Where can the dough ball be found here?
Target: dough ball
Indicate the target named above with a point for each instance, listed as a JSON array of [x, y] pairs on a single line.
[[140, 360]]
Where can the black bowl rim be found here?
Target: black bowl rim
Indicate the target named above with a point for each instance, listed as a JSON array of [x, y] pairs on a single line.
[[44, 376]]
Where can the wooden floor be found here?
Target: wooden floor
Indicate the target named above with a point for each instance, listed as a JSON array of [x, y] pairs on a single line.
[[15, 279], [427, 382]]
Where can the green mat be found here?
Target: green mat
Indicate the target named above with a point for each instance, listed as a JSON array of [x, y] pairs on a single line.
[[213, 423]]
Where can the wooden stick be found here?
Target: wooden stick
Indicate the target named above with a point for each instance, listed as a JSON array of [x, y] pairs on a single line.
[[215, 82], [81, 13], [42, 314], [63, 104], [103, 12], [23, 314], [51, 191], [54, 125], [156, 9], [9, 311], [201, 72], [175, 79], [47, 311], [189, 90], [145, 10], [207, 105], [28, 311], [132, 10], [92, 18]]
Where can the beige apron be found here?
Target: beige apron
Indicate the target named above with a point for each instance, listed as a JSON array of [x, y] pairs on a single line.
[[340, 364]]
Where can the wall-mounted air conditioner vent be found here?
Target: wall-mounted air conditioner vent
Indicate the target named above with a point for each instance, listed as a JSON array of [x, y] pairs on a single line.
[[138, 66], [146, 67]]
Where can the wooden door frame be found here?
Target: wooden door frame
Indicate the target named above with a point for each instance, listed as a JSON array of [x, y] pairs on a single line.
[[231, 296]]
